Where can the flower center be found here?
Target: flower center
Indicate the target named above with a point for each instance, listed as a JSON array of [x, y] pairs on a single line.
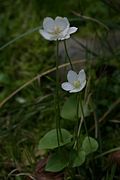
[[57, 30], [76, 84]]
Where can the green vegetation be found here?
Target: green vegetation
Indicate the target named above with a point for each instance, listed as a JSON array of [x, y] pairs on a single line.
[[29, 113]]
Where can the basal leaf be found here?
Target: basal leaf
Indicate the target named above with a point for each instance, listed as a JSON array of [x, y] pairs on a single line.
[[79, 158], [49, 141], [89, 145], [57, 162], [69, 109]]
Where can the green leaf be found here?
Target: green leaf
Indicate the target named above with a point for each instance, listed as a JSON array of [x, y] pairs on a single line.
[[49, 141], [57, 162], [79, 158], [69, 109], [89, 145]]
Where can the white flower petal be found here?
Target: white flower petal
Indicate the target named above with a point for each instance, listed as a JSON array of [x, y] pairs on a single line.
[[74, 91], [66, 37], [82, 85], [67, 86], [78, 89], [72, 76], [72, 30], [63, 23], [46, 35], [63, 34], [66, 33], [67, 22], [48, 24], [82, 76], [58, 29]]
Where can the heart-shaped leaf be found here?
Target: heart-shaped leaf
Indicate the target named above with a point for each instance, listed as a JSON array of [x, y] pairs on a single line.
[[49, 141], [89, 145], [57, 162], [69, 109], [79, 158]]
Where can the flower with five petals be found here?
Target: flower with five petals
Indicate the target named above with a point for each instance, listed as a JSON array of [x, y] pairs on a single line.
[[58, 29], [76, 82]]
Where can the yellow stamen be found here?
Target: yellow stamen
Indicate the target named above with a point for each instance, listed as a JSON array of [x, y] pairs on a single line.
[[76, 84], [57, 30]]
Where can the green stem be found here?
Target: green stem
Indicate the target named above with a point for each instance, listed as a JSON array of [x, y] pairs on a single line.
[[79, 124], [108, 152], [80, 106], [78, 132], [68, 54], [82, 114], [78, 103], [58, 125]]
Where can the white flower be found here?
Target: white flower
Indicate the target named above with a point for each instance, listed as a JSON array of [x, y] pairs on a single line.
[[76, 82], [58, 29]]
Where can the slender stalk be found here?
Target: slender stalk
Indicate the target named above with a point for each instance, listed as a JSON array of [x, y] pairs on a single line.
[[68, 54], [79, 124], [80, 106], [56, 119], [107, 152], [79, 130], [82, 114], [96, 124], [78, 103], [58, 125]]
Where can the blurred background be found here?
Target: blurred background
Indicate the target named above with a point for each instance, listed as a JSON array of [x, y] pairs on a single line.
[[27, 115]]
